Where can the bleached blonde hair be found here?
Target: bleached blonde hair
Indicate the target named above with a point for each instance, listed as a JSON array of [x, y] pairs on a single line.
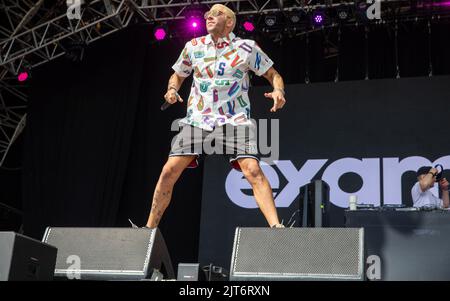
[[228, 12]]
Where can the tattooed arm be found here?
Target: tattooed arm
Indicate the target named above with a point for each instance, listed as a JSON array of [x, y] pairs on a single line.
[[174, 85]]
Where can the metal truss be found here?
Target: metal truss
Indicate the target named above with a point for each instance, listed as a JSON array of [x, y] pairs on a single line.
[[13, 104], [32, 34], [35, 34], [47, 40]]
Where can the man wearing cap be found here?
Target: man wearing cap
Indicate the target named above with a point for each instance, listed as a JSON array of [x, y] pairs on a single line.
[[421, 194], [220, 62]]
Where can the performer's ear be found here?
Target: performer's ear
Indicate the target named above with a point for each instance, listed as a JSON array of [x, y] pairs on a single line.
[[230, 23]]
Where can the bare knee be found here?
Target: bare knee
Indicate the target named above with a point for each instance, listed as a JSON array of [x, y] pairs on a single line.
[[170, 173], [252, 172]]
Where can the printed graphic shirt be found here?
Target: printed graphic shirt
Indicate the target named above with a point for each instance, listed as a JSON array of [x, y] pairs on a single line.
[[219, 92]]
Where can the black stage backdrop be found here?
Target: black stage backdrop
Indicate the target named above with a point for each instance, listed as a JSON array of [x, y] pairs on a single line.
[[364, 137], [96, 140]]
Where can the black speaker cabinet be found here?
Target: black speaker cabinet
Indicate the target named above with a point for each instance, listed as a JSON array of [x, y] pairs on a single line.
[[314, 204], [109, 253], [25, 259]]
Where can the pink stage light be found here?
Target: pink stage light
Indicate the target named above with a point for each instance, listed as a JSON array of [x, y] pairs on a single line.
[[194, 23], [23, 76], [248, 26], [160, 34]]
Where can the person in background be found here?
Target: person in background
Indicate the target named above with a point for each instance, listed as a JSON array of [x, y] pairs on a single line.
[[421, 194]]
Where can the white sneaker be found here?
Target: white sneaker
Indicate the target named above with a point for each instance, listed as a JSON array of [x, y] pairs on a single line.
[[134, 226]]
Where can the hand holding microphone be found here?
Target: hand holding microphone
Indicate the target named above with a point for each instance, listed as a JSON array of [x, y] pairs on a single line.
[[171, 97], [443, 183]]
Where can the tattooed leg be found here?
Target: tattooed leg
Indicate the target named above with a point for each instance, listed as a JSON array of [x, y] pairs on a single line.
[[163, 191], [161, 200]]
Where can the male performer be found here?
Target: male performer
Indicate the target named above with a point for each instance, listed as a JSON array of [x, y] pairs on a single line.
[[421, 194], [219, 99]]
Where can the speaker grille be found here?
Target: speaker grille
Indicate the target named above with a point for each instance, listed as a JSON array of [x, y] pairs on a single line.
[[322, 253], [103, 250]]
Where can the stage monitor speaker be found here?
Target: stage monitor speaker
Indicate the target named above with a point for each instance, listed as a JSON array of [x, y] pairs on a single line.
[[314, 204], [298, 254], [188, 272], [25, 259], [109, 253]]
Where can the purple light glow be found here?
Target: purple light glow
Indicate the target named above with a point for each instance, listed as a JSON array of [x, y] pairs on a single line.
[[318, 19], [248, 26], [160, 34], [23, 76], [447, 3], [438, 4], [195, 24]]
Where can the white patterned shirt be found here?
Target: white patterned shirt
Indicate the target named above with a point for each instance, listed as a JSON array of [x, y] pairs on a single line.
[[219, 92]]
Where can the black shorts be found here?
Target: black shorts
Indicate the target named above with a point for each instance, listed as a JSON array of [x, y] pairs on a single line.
[[235, 142]]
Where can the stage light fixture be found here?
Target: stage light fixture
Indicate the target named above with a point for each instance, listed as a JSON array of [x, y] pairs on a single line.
[[194, 24], [270, 20], [294, 18], [343, 15], [160, 33], [318, 18], [23, 76], [248, 26], [195, 18], [343, 12], [297, 16]]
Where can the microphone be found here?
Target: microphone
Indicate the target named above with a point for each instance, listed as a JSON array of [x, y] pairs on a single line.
[[166, 104]]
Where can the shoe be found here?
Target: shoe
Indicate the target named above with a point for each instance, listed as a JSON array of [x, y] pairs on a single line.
[[134, 226], [278, 226]]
